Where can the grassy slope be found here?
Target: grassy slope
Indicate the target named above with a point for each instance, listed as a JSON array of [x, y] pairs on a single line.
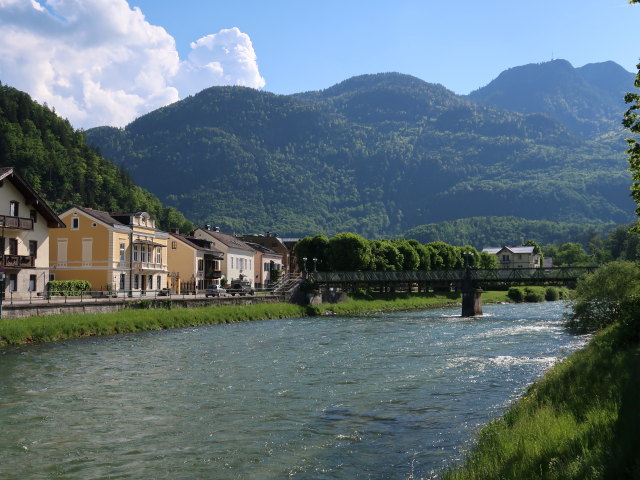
[[61, 327], [580, 421]]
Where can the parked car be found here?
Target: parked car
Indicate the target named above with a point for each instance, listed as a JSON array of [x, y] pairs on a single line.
[[215, 291], [241, 288]]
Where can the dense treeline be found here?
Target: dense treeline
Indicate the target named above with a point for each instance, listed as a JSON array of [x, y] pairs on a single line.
[[56, 161], [376, 155], [352, 252]]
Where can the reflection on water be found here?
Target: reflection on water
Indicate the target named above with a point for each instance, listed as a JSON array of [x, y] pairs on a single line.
[[379, 396]]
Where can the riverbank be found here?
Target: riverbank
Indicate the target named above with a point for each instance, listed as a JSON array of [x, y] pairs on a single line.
[[61, 327], [579, 421]]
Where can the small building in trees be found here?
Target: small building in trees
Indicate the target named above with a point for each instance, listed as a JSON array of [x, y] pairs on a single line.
[[515, 257]]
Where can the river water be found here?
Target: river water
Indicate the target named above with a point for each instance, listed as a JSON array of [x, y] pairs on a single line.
[[396, 395]]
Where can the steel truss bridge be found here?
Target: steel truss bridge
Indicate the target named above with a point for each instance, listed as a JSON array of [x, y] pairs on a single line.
[[479, 277]]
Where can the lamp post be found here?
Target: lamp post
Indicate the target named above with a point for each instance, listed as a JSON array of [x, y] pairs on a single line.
[[315, 264], [465, 255], [1, 291], [304, 264]]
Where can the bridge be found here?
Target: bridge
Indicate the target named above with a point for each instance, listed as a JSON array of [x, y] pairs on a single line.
[[469, 280]]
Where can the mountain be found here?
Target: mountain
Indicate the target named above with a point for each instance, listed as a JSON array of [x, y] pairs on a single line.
[[375, 154], [588, 100], [55, 159]]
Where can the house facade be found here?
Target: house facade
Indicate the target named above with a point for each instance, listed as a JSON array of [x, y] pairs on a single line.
[[515, 257], [238, 257], [118, 252], [276, 244], [25, 225], [268, 265], [193, 263]]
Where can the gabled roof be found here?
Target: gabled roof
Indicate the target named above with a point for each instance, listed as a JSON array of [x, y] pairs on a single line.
[[262, 248], [528, 249], [104, 217], [228, 240], [193, 243], [32, 198]]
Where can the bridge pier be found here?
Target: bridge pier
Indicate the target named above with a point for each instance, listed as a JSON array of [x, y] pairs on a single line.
[[472, 302]]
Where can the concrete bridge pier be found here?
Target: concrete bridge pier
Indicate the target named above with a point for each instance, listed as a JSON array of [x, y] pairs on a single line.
[[472, 302], [471, 295]]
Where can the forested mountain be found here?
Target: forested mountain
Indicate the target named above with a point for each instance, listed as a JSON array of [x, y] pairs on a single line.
[[375, 154], [63, 169], [588, 100]]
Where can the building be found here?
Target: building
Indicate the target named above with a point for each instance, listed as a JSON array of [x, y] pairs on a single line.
[[25, 225], [268, 265], [238, 261], [515, 257], [193, 263], [113, 251], [278, 245]]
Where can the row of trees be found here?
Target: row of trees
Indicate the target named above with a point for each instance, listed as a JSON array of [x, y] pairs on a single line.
[[351, 252]]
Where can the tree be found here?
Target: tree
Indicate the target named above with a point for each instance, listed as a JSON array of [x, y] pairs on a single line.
[[348, 252], [571, 253], [385, 256], [536, 250], [599, 296], [312, 247], [631, 121], [411, 259], [423, 254], [488, 261]]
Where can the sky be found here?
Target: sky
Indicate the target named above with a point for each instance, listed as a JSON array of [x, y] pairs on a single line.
[[106, 62]]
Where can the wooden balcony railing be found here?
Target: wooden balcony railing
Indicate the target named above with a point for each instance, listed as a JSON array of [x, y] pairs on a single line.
[[213, 274], [16, 223], [18, 261]]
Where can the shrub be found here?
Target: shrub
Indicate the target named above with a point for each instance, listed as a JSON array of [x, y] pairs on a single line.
[[551, 294], [516, 294], [533, 294], [67, 288]]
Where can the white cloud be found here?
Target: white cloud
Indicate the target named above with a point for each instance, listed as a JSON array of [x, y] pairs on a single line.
[[99, 62]]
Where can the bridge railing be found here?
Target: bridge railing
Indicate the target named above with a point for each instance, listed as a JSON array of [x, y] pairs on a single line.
[[507, 275]]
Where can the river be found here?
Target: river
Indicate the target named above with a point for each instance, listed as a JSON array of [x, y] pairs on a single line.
[[397, 395]]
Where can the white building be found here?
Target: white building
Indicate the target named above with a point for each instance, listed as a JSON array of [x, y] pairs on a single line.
[[515, 257], [238, 257]]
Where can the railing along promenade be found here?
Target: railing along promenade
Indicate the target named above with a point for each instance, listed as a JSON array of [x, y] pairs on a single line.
[[555, 275]]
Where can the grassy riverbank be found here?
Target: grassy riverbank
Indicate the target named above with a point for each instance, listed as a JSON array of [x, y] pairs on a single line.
[[61, 327], [580, 421]]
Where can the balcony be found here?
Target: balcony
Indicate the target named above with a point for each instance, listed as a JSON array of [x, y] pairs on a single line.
[[148, 266], [16, 223], [18, 261], [213, 274]]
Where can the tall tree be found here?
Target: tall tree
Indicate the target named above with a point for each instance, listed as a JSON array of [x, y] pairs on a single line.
[[632, 122]]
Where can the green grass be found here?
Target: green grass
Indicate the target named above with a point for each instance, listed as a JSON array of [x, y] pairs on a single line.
[[60, 327], [580, 421]]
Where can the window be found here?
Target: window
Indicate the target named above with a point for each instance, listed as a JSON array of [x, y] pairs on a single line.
[[62, 250], [75, 223], [32, 283], [174, 245], [159, 256], [13, 282], [143, 253], [150, 282], [33, 248], [136, 281], [122, 251], [505, 258], [13, 208], [232, 262], [87, 250], [122, 280], [33, 215], [136, 250], [200, 265], [158, 282], [266, 267], [13, 246]]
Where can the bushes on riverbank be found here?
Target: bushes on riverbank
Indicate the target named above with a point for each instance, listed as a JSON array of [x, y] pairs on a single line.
[[537, 294]]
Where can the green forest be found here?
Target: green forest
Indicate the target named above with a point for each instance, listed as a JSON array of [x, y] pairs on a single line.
[[377, 155], [57, 162]]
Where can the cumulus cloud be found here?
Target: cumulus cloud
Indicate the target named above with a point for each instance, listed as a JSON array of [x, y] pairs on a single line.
[[99, 62]]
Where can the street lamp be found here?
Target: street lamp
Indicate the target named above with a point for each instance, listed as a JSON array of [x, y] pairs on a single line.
[[465, 255], [315, 263], [304, 264]]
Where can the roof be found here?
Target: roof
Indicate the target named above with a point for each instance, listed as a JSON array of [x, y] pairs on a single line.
[[53, 221], [193, 243], [102, 216], [229, 240], [262, 248], [527, 249]]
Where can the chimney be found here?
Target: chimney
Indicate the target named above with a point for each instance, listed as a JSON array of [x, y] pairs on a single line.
[[216, 229], [175, 231], [207, 227]]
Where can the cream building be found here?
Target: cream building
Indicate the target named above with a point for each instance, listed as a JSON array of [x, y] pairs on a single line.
[[515, 257], [121, 252], [25, 223], [238, 260], [193, 263]]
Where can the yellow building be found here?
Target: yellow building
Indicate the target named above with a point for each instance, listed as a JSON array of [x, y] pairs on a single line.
[[193, 263], [25, 223], [122, 252]]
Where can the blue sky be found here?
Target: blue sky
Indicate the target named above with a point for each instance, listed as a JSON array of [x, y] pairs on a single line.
[[307, 45], [105, 62]]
